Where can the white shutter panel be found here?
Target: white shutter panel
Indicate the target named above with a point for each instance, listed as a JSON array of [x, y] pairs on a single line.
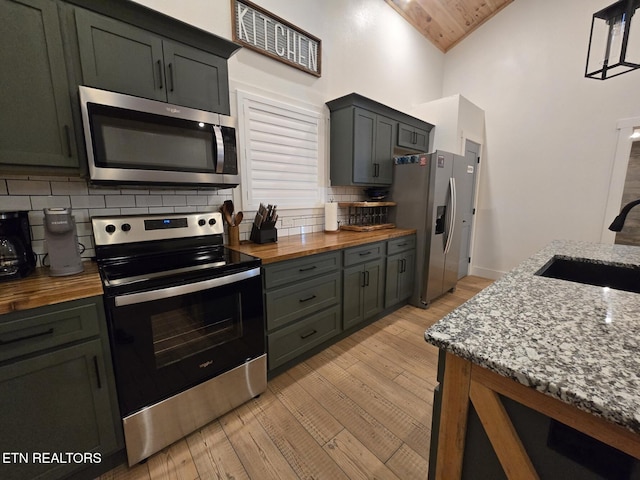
[[280, 145]]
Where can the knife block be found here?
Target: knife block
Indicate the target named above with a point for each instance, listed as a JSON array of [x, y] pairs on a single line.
[[263, 235]]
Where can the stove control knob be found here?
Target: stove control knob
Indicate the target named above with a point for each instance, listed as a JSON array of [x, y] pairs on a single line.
[[212, 221], [126, 227], [202, 222], [110, 228]]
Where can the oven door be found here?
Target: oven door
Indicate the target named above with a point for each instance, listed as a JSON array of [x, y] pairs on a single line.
[[171, 338]]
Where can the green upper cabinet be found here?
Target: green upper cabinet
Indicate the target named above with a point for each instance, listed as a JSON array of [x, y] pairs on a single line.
[[120, 57], [361, 147], [366, 135], [413, 138], [36, 128]]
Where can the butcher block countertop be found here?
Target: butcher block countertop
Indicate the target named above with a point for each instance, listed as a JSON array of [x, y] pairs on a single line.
[[295, 246], [40, 289]]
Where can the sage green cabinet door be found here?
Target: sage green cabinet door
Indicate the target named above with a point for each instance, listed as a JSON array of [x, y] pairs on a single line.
[[383, 154], [35, 126], [414, 138], [372, 148], [195, 78], [373, 296], [353, 295], [55, 402], [119, 57], [399, 277], [363, 292]]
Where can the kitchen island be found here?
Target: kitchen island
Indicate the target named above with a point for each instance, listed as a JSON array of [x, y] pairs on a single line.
[[564, 349]]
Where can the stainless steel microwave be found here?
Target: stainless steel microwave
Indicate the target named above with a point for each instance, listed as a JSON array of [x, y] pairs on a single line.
[[136, 141]]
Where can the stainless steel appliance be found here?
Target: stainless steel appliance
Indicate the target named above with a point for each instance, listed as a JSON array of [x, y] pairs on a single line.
[[425, 188], [133, 140], [17, 259], [186, 324], [61, 238]]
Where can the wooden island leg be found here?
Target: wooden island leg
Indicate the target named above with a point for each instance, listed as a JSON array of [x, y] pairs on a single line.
[[453, 417]]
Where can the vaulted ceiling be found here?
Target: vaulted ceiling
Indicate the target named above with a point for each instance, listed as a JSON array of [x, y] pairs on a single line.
[[447, 22]]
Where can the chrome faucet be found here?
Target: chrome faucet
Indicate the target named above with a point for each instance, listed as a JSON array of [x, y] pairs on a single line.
[[618, 222]]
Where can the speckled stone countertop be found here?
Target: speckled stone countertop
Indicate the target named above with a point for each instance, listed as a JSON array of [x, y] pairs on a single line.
[[575, 342]]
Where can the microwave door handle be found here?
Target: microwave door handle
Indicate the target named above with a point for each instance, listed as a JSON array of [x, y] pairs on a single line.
[[217, 137], [135, 298]]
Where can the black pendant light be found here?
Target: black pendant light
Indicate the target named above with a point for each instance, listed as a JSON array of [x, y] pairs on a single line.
[[614, 43]]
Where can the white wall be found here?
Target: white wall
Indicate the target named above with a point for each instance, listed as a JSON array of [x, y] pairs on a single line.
[[366, 48], [551, 133]]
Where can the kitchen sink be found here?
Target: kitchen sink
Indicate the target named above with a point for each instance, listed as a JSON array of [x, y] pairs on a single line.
[[618, 277]]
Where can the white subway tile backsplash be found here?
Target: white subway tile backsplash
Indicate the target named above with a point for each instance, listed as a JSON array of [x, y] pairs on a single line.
[[69, 188], [87, 201], [174, 200], [197, 200], [21, 202], [134, 211], [28, 187], [148, 200], [51, 201], [160, 210], [112, 201]]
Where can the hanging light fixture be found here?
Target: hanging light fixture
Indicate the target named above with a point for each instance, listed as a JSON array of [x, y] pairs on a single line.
[[614, 46]]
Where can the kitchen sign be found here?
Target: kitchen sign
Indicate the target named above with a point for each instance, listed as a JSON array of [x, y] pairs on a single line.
[[265, 33]]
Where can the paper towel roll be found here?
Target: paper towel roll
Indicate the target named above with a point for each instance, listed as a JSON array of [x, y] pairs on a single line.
[[331, 217]]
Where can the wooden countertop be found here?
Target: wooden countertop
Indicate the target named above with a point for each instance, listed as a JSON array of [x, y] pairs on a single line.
[[296, 246], [40, 289]]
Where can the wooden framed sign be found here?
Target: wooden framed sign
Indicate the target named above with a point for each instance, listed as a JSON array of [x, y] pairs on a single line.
[[270, 35]]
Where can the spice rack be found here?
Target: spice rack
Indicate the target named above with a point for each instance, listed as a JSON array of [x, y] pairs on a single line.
[[367, 216]]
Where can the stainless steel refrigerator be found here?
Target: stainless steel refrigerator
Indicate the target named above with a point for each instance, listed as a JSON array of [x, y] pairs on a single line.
[[426, 190]]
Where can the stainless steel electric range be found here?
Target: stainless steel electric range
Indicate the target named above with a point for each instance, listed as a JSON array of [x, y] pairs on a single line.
[[186, 324]]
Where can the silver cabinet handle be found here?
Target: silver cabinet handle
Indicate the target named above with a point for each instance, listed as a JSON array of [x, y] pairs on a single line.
[[135, 298], [452, 184], [217, 135]]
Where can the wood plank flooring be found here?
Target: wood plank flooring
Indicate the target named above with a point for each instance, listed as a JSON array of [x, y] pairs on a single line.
[[359, 409]]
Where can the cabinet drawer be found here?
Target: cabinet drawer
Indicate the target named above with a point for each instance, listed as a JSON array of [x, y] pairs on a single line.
[[401, 244], [294, 340], [281, 273], [27, 332], [364, 253], [290, 303]]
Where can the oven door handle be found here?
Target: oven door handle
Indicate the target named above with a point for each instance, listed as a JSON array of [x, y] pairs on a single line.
[[135, 298]]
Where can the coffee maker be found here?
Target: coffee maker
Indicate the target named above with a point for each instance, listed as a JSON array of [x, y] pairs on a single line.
[[62, 242], [17, 259]]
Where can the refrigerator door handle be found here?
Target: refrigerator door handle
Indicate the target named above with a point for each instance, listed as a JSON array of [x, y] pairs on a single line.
[[452, 185]]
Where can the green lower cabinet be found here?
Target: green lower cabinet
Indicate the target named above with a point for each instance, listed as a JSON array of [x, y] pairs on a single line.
[[58, 407], [363, 292], [400, 277], [292, 341], [55, 403]]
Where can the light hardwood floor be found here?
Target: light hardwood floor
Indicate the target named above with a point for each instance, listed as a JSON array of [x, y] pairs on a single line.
[[359, 409]]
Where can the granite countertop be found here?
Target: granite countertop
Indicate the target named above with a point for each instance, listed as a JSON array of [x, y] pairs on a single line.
[[295, 246], [575, 342]]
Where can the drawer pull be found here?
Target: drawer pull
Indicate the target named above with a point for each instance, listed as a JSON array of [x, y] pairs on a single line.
[[364, 254], [302, 300], [307, 335], [313, 267], [402, 244], [95, 364], [27, 337]]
